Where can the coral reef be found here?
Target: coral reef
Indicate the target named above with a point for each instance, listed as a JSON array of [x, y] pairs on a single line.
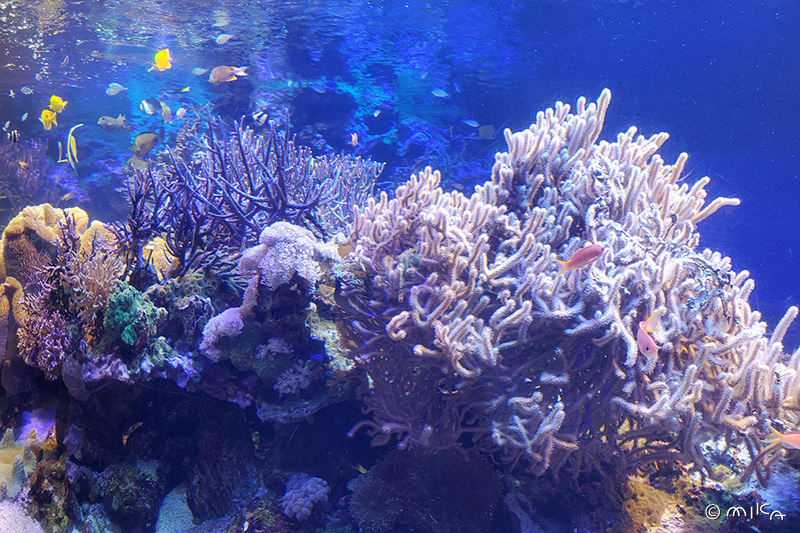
[[465, 329], [562, 318]]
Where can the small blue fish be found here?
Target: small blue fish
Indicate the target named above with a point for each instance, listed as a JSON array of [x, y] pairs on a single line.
[[440, 93], [471, 123], [316, 356]]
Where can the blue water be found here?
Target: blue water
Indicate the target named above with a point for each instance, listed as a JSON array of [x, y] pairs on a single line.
[[407, 84]]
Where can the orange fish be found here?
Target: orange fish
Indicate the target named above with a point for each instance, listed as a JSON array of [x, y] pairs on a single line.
[[790, 439], [581, 258], [646, 343]]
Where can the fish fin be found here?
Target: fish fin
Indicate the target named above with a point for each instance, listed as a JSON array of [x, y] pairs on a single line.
[[241, 71], [653, 322], [564, 266], [774, 436], [61, 154]]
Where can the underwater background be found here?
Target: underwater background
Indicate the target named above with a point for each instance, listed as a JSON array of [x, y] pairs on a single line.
[[190, 362]]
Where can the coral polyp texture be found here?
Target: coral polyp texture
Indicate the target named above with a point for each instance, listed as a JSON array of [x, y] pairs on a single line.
[[466, 328]]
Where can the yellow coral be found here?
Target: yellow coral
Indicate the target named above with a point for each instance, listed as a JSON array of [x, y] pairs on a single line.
[[644, 504], [159, 258], [97, 234]]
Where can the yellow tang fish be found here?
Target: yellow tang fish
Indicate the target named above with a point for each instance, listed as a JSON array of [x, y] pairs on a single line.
[[57, 104], [162, 61], [48, 119]]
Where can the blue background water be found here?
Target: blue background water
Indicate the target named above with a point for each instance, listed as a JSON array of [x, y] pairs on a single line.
[[720, 76]]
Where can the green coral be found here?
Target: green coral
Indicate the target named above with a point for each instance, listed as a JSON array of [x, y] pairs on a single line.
[[131, 316], [155, 354]]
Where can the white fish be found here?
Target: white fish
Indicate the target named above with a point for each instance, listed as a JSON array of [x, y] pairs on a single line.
[[115, 88], [6, 125], [11, 93], [24, 117], [197, 71], [26, 90], [223, 38], [471, 123], [440, 93]]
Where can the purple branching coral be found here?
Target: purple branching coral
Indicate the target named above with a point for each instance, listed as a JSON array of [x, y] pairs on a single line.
[[465, 327], [224, 195]]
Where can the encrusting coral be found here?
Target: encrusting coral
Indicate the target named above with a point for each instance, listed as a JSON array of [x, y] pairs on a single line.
[[467, 328]]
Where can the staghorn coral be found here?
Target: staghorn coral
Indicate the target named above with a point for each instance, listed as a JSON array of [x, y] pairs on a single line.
[[465, 328]]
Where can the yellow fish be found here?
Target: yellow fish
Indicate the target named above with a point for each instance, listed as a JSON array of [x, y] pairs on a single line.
[[162, 60], [57, 104], [158, 256], [48, 118], [130, 430]]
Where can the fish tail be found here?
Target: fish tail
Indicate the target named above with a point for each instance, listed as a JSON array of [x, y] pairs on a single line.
[[653, 322], [564, 266], [775, 436]]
